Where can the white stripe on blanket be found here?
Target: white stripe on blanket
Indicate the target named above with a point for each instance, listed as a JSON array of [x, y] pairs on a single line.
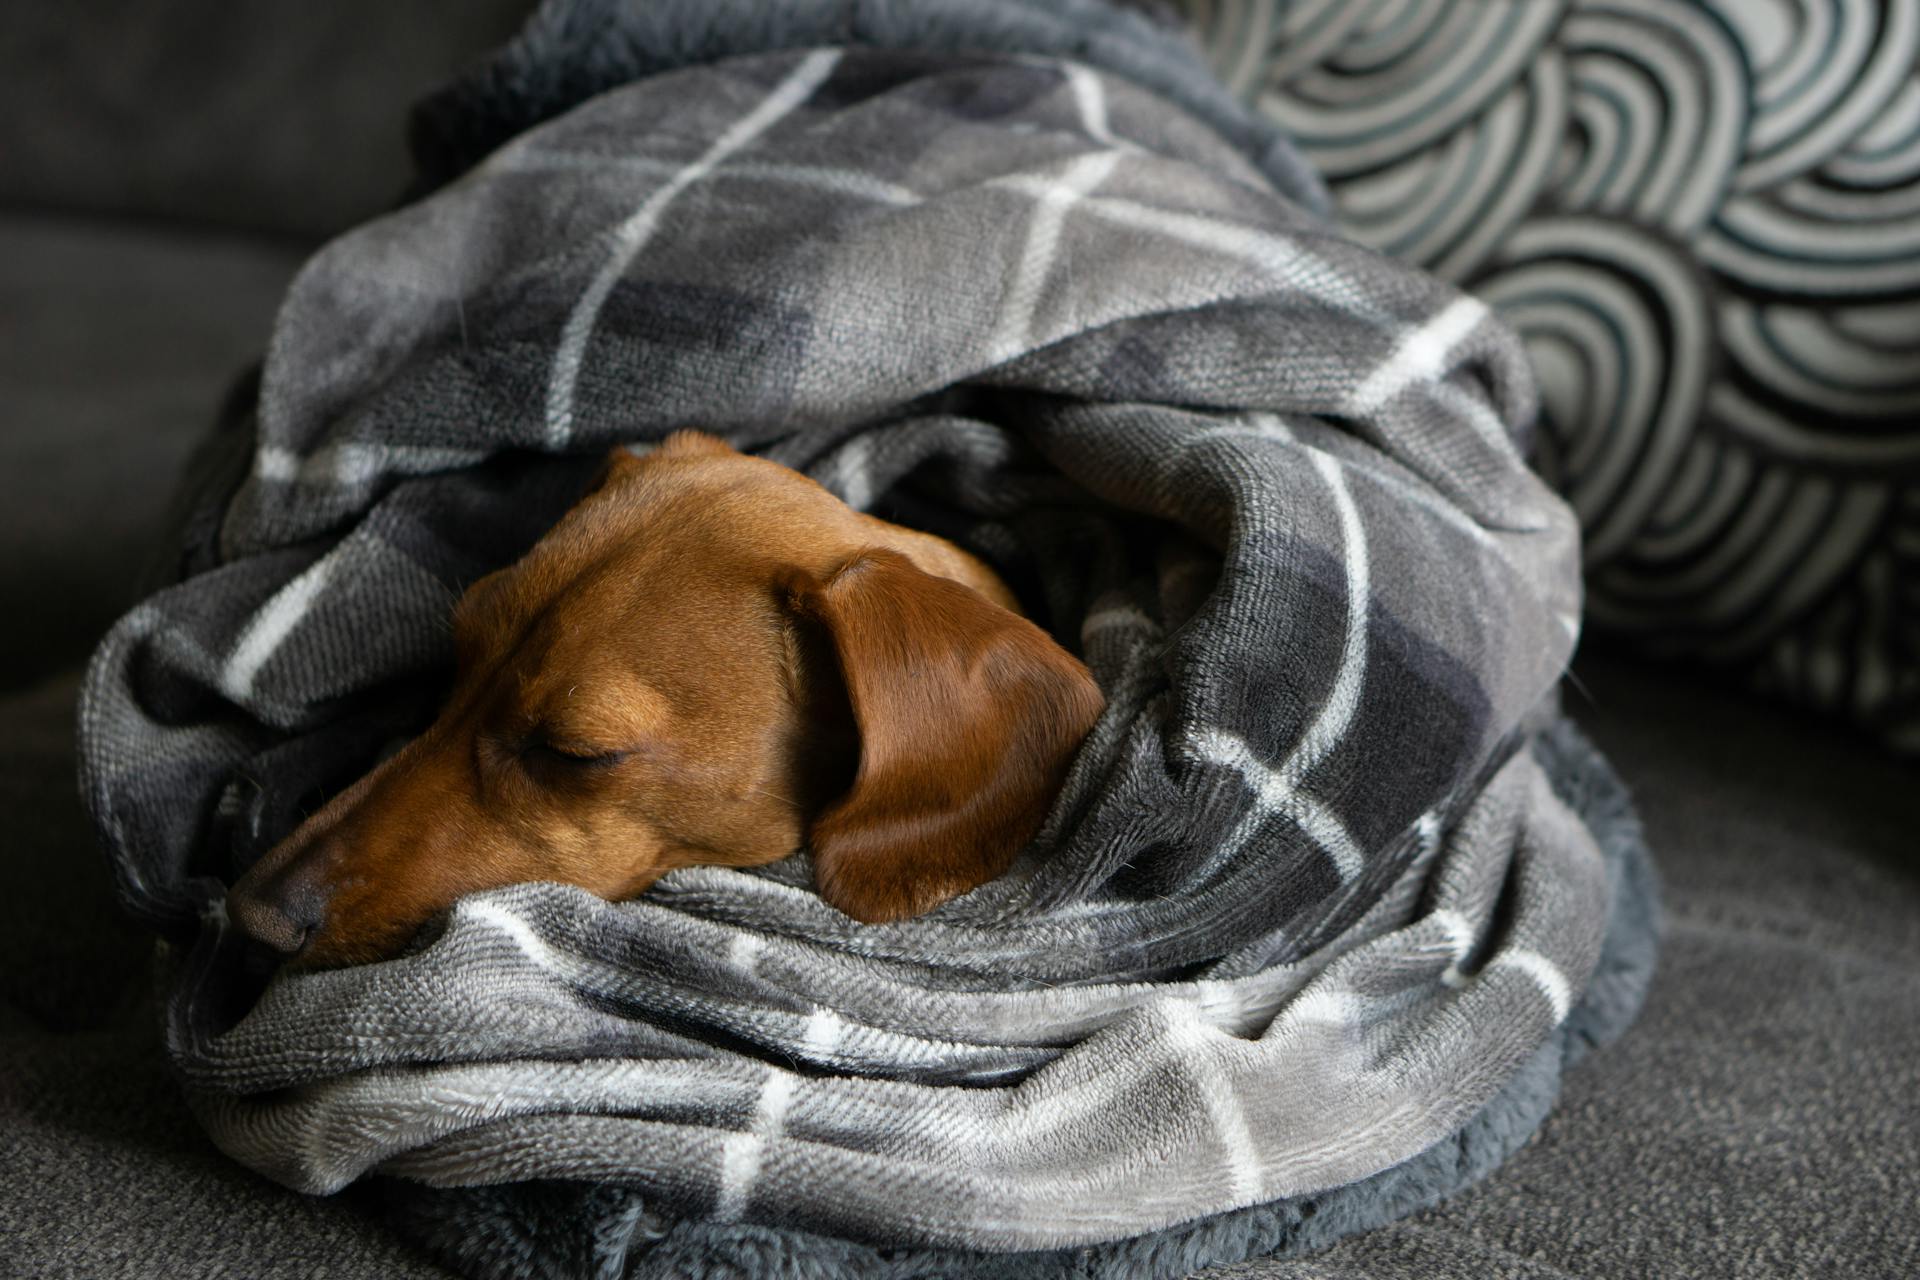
[[632, 235]]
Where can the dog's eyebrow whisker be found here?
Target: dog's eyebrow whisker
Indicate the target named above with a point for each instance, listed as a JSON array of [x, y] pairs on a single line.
[[785, 800]]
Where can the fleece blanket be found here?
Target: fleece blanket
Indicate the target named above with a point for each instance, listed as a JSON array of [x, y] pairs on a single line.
[[1329, 893]]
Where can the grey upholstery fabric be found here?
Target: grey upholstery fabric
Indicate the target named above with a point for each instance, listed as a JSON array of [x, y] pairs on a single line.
[[117, 344], [1760, 1119], [242, 115], [101, 1162], [182, 311], [1767, 1149]]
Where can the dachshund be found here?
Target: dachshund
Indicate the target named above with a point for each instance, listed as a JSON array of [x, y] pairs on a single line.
[[709, 660]]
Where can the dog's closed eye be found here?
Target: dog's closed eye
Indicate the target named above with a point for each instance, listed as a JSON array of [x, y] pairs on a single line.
[[549, 761]]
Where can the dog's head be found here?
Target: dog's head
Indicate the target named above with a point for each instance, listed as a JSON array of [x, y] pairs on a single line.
[[709, 660]]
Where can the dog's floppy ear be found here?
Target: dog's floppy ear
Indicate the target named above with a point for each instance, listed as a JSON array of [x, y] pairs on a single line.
[[967, 716]]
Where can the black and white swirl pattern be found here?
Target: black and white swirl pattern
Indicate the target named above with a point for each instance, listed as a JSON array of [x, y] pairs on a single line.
[[1704, 218]]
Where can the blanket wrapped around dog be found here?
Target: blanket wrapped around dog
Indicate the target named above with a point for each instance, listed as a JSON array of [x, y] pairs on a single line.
[[1330, 893]]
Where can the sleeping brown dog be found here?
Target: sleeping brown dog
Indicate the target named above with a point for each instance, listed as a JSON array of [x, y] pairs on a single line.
[[709, 660]]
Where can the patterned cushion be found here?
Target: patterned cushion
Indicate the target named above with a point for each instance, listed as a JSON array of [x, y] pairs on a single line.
[[1704, 218]]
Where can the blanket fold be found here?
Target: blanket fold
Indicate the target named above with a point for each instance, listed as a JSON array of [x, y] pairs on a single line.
[[1327, 887]]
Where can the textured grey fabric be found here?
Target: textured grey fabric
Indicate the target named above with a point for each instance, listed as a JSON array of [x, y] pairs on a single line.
[[567, 52], [1304, 817], [275, 115], [1785, 847], [120, 340], [1759, 1120], [1748, 1152], [599, 1230], [184, 310], [101, 1162]]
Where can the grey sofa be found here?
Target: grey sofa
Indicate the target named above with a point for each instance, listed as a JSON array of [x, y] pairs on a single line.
[[162, 174]]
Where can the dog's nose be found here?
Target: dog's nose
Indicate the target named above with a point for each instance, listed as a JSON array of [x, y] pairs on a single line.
[[282, 913]]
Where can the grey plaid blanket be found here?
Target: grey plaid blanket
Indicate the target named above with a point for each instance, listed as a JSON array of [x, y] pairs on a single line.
[[1309, 901]]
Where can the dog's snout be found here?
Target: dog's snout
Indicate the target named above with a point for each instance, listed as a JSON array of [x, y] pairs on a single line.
[[283, 912]]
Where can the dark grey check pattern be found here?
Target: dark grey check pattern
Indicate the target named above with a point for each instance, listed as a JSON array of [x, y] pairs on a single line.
[[1307, 902]]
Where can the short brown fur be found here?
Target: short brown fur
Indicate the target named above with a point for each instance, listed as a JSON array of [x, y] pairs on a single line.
[[709, 660]]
